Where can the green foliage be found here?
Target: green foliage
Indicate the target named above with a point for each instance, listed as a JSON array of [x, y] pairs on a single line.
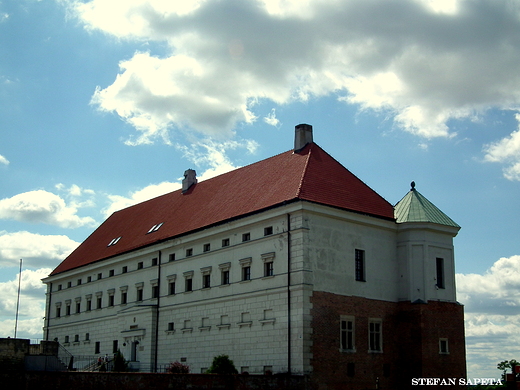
[[505, 365], [177, 368], [120, 363], [223, 365]]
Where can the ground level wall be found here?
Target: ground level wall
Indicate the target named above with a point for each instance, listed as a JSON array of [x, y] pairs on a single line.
[[139, 381]]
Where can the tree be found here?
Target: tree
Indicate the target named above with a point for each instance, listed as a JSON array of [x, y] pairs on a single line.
[[222, 364], [120, 363], [503, 366]]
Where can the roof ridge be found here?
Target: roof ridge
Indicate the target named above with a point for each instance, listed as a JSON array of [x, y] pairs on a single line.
[[304, 170]]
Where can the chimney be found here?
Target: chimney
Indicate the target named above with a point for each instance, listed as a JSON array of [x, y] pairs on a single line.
[[190, 178], [302, 136]]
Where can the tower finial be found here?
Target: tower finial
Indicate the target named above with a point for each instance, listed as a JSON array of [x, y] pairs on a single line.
[[413, 186]]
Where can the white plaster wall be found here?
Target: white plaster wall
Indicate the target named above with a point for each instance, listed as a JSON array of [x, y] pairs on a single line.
[[334, 235]]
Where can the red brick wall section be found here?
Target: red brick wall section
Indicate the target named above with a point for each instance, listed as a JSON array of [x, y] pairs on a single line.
[[411, 335]]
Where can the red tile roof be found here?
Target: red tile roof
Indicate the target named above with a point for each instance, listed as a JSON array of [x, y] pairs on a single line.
[[311, 175]]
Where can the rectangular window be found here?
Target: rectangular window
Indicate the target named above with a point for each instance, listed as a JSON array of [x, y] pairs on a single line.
[[67, 339], [97, 348], [246, 237], [268, 268], [110, 300], [360, 265], [87, 336], [99, 303], [140, 265], [99, 276], [206, 281], [207, 247], [440, 272], [443, 346], [171, 257], [124, 297], [154, 261], [171, 326], [225, 276], [79, 282], [375, 336], [189, 252], [347, 333], [115, 346], [268, 231], [246, 273], [78, 307], [69, 284], [58, 312], [67, 310], [139, 295], [171, 288], [89, 279], [111, 273], [89, 305], [155, 291], [59, 287], [225, 242], [124, 270], [189, 284]]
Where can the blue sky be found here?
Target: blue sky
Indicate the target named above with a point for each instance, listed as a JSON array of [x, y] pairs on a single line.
[[106, 103]]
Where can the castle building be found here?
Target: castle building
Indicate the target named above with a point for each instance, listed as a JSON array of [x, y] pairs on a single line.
[[288, 265]]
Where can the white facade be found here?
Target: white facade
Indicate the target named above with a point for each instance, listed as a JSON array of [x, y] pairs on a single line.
[[247, 318]]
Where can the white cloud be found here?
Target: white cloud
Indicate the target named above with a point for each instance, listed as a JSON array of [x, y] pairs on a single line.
[[424, 61], [118, 202], [506, 151], [3, 160], [31, 308], [491, 304], [271, 119], [207, 153], [43, 207], [36, 250]]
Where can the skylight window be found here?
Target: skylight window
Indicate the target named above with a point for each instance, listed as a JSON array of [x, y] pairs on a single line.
[[114, 241], [154, 228]]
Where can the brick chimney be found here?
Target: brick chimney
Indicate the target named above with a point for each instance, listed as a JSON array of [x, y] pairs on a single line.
[[302, 136], [190, 178]]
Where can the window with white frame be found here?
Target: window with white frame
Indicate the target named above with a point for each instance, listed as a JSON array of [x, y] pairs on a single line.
[[268, 259], [347, 333], [224, 273], [246, 268], [171, 283], [188, 281], [206, 277], [375, 335]]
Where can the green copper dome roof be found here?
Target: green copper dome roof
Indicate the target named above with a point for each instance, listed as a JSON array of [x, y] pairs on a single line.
[[414, 207]]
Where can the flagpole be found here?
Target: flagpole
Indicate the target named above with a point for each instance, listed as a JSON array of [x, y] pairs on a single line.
[[18, 299]]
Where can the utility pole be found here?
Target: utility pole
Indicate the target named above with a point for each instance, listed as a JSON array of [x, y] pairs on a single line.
[[18, 299]]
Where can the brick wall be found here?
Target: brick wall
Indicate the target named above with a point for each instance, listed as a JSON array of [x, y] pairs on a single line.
[[410, 343]]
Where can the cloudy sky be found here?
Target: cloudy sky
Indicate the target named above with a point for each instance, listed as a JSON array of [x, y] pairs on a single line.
[[105, 103]]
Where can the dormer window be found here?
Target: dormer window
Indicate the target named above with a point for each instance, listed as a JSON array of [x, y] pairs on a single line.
[[114, 241], [154, 228]]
